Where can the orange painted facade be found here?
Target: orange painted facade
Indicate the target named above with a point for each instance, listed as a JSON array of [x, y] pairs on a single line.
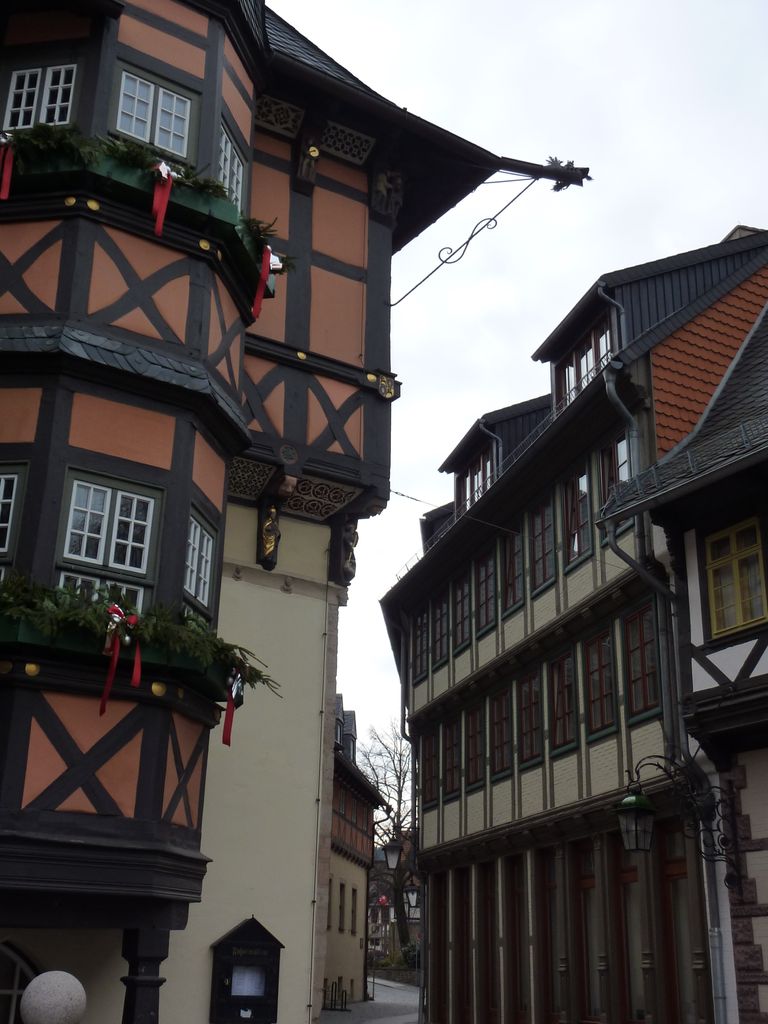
[[20, 415], [121, 430]]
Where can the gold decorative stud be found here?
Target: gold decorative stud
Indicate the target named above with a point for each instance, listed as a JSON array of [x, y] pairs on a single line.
[[301, 355], [158, 689], [70, 201], [32, 669], [5, 667], [93, 204], [371, 377], [204, 244], [314, 152]]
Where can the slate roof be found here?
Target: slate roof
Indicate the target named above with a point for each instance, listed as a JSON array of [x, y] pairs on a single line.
[[734, 251], [289, 42], [127, 357], [731, 435]]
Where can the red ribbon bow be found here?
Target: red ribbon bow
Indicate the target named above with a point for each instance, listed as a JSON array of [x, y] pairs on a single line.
[[119, 623], [6, 166], [266, 259], [162, 193]]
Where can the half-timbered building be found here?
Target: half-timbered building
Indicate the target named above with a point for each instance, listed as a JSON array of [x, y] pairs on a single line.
[[179, 429], [354, 802], [707, 493], [539, 661]]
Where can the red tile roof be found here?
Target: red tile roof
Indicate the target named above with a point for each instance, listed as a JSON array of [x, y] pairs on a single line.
[[688, 366]]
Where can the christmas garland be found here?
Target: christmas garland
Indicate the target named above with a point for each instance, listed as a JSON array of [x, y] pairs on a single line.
[[54, 610], [25, 148]]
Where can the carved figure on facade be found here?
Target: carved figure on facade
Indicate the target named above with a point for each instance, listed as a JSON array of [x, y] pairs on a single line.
[[269, 534]]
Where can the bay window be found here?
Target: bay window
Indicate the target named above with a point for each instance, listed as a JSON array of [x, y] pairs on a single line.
[[153, 113], [199, 558], [231, 168], [40, 95], [109, 538]]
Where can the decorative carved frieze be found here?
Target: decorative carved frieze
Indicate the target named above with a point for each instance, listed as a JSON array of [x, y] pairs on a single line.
[[278, 116], [247, 479]]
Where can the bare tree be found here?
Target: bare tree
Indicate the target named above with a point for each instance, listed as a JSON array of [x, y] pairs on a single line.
[[386, 762]]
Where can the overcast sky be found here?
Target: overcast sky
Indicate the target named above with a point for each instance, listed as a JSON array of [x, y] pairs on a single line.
[[666, 102]]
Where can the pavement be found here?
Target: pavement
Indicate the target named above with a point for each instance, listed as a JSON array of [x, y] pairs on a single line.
[[392, 1003]]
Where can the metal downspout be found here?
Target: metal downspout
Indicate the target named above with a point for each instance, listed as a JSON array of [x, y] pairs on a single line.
[[497, 448], [676, 746]]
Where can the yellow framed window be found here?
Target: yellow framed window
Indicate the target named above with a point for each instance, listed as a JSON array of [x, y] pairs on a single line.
[[735, 577]]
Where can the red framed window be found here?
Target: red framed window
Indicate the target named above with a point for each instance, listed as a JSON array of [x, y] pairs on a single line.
[[529, 716], [474, 480], [562, 701], [614, 466], [451, 757], [485, 590], [581, 365], [501, 732], [440, 628], [598, 664], [542, 544], [461, 610], [640, 653], [475, 745], [512, 586], [420, 641], [429, 767], [576, 516]]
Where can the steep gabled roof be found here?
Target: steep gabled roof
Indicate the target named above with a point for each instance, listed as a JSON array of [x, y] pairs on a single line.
[[731, 435], [288, 41], [439, 168], [676, 286]]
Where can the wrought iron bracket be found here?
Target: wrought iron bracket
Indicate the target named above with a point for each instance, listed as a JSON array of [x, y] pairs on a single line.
[[708, 812]]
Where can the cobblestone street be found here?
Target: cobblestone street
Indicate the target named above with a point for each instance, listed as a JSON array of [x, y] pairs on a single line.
[[393, 1003]]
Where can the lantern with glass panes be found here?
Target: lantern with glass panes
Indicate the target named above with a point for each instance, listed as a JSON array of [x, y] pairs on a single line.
[[707, 812]]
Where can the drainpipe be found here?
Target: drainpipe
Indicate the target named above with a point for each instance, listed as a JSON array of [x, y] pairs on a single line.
[[497, 448]]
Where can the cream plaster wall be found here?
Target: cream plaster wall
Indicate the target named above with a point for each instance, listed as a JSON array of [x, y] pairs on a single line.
[[531, 796], [565, 776], [502, 803], [345, 953], [441, 680], [644, 740], [514, 629], [580, 583], [429, 828], [487, 648], [260, 824], [451, 818], [605, 773], [475, 813]]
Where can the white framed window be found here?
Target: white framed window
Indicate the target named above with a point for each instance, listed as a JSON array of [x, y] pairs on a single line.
[[9, 486], [40, 95], [231, 168], [108, 540], [197, 576], [125, 595], [131, 532], [153, 113], [87, 525]]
